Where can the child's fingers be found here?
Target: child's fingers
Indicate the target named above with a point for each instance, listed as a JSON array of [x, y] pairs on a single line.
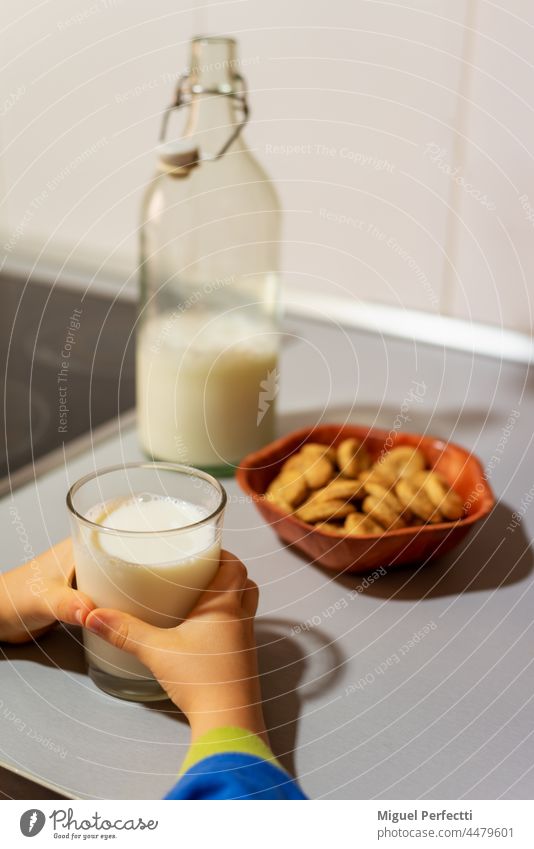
[[124, 631], [231, 575], [70, 606], [250, 598]]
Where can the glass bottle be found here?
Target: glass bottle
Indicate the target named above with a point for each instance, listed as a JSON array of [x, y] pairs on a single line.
[[207, 342]]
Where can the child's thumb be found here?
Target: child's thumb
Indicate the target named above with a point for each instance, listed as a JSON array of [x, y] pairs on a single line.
[[121, 630]]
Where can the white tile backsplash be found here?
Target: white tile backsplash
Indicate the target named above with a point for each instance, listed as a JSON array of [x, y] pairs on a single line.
[[493, 244], [360, 112]]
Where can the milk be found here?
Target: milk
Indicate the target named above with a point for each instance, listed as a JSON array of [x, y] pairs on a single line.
[[206, 386], [157, 578]]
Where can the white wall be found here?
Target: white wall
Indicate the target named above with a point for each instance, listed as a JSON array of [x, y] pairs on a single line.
[[391, 97]]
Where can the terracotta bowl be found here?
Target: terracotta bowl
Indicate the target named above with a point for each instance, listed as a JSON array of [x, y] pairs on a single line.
[[411, 545]]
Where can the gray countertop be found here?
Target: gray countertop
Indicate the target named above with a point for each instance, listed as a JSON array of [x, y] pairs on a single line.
[[357, 706]]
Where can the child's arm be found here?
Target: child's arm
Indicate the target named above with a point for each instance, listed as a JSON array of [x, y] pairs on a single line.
[[35, 595], [208, 666]]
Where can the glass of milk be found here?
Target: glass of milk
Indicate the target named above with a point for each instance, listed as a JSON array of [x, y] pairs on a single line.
[[147, 540]]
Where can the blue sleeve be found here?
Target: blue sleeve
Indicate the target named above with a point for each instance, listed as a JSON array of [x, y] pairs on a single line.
[[233, 775]]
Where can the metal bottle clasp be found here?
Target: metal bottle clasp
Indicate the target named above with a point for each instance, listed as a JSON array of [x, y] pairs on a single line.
[[184, 97]]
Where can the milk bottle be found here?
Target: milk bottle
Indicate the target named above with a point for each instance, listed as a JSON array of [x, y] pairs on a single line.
[[207, 374]]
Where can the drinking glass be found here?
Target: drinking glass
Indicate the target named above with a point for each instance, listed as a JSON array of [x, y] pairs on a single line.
[[127, 557]]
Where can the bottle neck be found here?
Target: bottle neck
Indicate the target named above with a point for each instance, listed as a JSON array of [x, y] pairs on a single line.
[[211, 121]]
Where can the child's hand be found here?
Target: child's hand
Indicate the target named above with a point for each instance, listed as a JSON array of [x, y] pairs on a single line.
[[207, 664], [35, 595]]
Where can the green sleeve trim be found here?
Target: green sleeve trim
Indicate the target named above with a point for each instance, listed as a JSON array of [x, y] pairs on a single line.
[[227, 739]]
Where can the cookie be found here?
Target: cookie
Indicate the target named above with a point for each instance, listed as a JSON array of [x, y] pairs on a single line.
[[447, 501], [316, 449], [352, 457], [315, 464], [414, 497], [405, 460], [382, 492], [322, 511], [380, 474], [296, 461], [381, 512], [289, 487], [318, 473], [343, 488], [275, 499], [358, 524]]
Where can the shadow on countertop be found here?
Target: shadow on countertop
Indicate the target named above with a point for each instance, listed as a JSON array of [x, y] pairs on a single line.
[[491, 557], [60, 648], [291, 671]]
